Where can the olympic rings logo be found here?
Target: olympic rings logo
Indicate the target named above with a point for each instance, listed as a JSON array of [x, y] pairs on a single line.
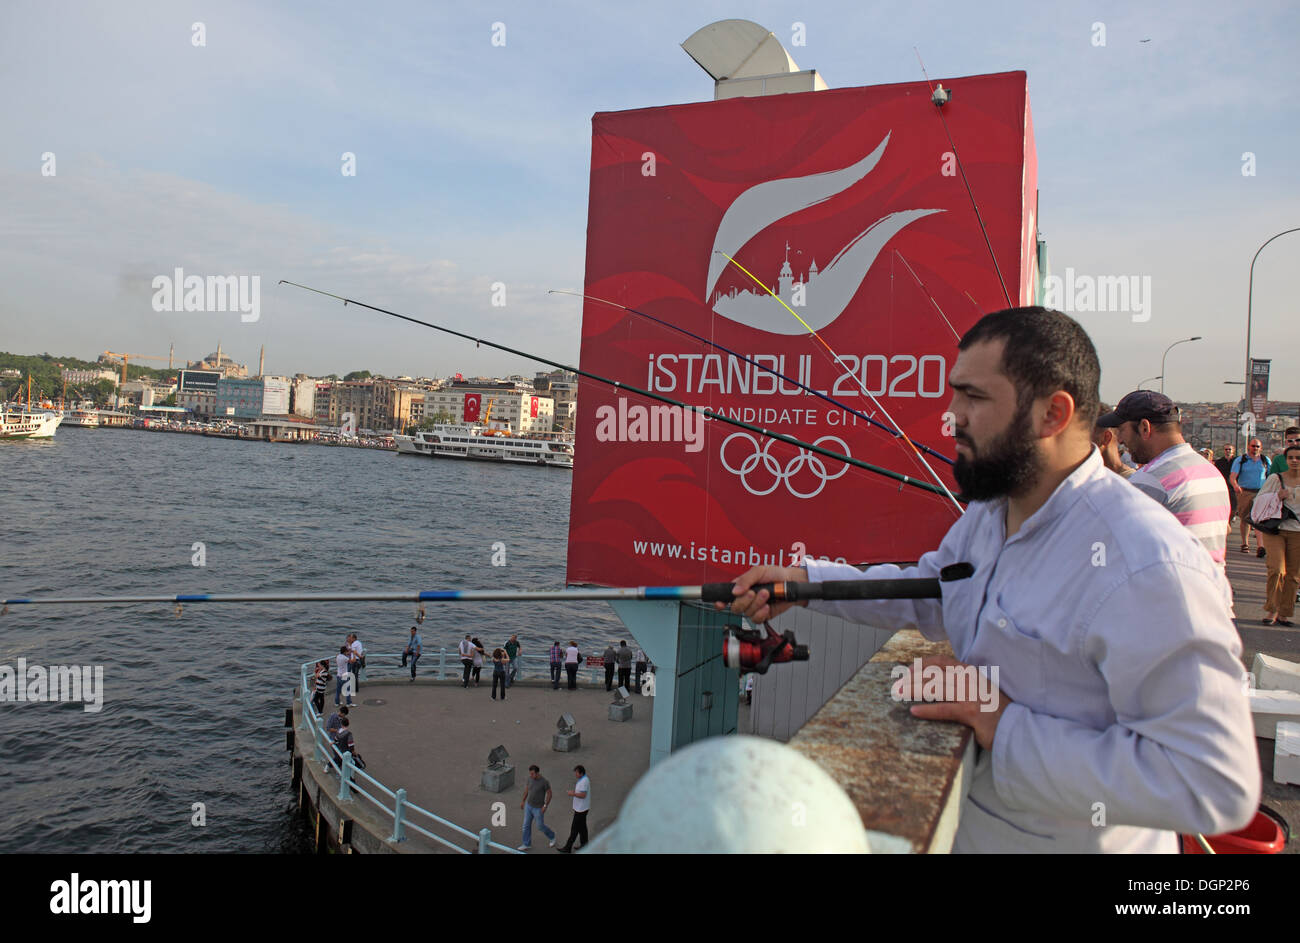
[[805, 460]]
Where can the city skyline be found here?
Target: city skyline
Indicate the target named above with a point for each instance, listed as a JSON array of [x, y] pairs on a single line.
[[472, 160]]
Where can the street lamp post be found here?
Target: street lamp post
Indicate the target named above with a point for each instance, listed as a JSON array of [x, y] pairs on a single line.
[[1237, 418], [1148, 380], [1250, 299], [1187, 340]]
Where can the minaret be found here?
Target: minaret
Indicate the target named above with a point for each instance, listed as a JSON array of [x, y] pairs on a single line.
[[218, 355], [261, 362]]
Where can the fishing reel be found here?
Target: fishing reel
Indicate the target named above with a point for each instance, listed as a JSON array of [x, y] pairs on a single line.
[[752, 650]]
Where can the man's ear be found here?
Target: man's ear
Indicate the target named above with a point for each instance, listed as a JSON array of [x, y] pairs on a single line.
[[1144, 428], [1059, 414]]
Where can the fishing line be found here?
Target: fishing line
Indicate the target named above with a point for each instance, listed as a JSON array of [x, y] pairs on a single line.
[[768, 433], [818, 393], [835, 359]]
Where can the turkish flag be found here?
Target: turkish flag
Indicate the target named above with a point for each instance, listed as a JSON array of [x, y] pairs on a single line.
[[533, 414], [471, 407]]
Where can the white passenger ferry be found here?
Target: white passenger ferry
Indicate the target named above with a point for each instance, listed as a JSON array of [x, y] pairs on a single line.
[[477, 444]]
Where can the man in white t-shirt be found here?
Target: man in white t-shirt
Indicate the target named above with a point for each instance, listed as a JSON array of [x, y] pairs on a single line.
[[343, 686], [358, 659], [581, 793], [466, 659]]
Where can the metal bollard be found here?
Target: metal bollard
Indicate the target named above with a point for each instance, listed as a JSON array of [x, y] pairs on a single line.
[[345, 778], [399, 817], [484, 836]]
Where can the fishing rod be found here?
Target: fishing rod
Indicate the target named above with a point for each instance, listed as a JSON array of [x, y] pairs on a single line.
[[917, 588], [862, 386], [708, 413], [929, 294], [808, 389]]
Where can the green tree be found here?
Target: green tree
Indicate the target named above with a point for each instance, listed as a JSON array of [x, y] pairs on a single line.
[[357, 375]]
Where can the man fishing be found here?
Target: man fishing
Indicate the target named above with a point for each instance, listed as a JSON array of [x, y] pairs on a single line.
[[1121, 718]]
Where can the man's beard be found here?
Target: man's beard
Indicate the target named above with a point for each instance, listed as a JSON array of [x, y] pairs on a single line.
[[1009, 465]]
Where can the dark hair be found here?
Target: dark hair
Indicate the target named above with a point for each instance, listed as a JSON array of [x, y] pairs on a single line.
[[1291, 430], [1045, 351], [343, 649], [1286, 451], [343, 709], [580, 770], [534, 768], [345, 722]]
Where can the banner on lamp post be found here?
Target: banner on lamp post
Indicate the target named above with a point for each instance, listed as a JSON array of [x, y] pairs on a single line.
[[1259, 387]]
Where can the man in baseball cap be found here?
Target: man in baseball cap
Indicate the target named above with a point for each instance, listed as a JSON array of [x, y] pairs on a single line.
[[1149, 425]]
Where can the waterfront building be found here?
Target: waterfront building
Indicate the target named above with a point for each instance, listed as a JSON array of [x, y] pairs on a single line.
[[81, 377], [239, 398], [197, 391], [513, 403]]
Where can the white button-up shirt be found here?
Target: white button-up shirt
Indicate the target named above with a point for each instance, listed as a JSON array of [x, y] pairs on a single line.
[[1112, 632]]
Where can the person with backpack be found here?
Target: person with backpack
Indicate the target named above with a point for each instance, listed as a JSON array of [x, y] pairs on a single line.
[[1248, 474]]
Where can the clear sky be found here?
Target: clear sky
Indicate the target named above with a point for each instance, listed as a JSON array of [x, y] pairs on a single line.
[[472, 165]]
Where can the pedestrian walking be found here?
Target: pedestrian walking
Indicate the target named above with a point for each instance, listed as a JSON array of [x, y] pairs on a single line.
[[1248, 473], [557, 665], [571, 658], [512, 652], [536, 800], [1292, 436], [641, 663], [480, 653], [581, 793], [1283, 548], [499, 663], [609, 658], [1224, 465], [624, 656], [412, 651], [466, 659]]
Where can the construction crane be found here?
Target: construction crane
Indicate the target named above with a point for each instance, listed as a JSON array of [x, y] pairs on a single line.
[[110, 355]]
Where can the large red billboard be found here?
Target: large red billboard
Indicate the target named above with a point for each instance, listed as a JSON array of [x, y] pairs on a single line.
[[850, 206]]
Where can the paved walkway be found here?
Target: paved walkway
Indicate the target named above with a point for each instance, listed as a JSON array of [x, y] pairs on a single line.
[[432, 738], [1248, 575]]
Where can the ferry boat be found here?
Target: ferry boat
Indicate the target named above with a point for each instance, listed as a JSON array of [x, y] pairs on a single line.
[[28, 425], [86, 418], [477, 444]]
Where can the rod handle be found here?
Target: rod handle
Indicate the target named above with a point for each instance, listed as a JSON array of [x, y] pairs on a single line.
[[922, 588]]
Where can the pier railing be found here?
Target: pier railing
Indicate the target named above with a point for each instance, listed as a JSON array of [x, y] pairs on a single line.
[[391, 805], [446, 664]]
